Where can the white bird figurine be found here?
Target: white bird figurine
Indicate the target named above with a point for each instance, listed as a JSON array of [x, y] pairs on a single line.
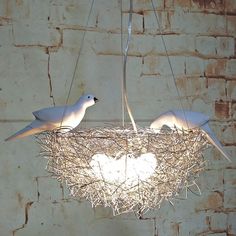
[[185, 120], [65, 117]]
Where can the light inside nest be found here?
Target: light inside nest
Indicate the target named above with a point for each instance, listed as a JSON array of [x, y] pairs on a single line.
[[126, 170], [119, 168]]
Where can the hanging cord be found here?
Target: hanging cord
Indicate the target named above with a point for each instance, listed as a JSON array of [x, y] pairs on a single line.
[[77, 61], [124, 66], [122, 63], [168, 58]]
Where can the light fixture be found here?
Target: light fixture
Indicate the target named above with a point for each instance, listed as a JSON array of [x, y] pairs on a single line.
[[129, 169], [123, 169]]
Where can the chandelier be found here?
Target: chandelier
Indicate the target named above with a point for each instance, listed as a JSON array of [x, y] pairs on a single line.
[[127, 168]]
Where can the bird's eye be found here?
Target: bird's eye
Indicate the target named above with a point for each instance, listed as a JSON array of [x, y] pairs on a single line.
[[88, 96]]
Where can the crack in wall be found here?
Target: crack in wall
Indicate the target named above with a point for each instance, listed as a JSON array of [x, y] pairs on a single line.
[[62, 191], [49, 79], [37, 186], [27, 207], [155, 227]]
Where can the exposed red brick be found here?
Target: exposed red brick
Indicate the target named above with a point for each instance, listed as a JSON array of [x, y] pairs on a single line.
[[216, 67], [222, 109], [214, 4], [200, 3], [233, 110], [183, 3], [210, 4], [213, 201], [230, 6]]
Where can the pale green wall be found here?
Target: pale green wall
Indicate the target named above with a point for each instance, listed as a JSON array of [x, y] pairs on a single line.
[[39, 42]]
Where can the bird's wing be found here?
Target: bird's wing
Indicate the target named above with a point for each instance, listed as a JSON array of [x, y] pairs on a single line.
[[182, 119], [192, 118], [51, 114], [35, 127], [214, 141]]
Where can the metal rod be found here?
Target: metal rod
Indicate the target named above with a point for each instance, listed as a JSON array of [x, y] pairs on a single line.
[[77, 60], [168, 58], [124, 66]]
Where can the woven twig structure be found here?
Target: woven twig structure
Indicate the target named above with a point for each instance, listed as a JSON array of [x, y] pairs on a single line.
[[122, 169]]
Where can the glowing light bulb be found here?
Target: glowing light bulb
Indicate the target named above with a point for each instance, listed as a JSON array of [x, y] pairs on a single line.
[[126, 170]]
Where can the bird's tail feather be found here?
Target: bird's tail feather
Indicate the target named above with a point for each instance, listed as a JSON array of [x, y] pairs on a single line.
[[214, 141], [28, 130]]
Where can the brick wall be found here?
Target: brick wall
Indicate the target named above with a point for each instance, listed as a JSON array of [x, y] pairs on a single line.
[[39, 43]]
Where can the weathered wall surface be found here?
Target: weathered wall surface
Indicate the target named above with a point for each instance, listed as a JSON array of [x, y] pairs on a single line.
[[39, 43]]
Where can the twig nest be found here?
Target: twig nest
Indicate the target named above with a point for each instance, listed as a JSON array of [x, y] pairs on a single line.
[[122, 169]]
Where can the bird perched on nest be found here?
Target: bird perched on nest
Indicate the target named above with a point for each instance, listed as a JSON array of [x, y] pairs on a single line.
[[63, 117], [185, 120]]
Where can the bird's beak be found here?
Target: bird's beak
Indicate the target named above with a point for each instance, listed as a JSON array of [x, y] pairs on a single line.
[[95, 100]]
